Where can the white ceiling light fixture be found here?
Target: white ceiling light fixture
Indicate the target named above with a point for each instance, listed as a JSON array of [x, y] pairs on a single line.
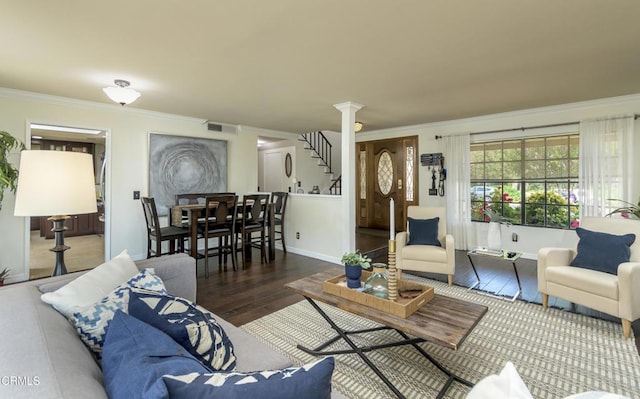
[[121, 93], [358, 126]]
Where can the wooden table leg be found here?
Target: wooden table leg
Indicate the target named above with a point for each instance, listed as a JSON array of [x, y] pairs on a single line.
[[271, 244], [193, 229]]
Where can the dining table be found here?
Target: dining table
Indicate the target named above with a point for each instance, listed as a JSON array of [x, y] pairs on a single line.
[[196, 212]]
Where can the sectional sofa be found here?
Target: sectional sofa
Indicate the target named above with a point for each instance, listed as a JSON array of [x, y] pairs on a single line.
[[42, 355]]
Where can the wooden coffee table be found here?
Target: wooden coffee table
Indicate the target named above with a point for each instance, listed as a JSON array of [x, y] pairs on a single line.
[[444, 321]]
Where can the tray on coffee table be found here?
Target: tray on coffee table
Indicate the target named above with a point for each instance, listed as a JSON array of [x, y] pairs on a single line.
[[402, 307]]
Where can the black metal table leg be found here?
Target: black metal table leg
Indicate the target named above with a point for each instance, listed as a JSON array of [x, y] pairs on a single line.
[[360, 351], [452, 377], [473, 266], [355, 349], [513, 262], [515, 270]]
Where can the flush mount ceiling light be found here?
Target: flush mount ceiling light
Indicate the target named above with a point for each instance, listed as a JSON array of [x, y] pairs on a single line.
[[358, 126], [121, 93]]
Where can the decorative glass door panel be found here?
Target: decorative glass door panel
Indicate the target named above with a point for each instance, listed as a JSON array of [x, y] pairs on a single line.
[[387, 169]]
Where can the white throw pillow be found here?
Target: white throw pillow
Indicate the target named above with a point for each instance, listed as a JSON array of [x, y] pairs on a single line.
[[506, 385], [92, 286]]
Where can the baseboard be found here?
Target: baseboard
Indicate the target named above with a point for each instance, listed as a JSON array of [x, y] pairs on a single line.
[[311, 254]]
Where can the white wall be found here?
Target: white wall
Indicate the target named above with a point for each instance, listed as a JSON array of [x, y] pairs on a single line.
[[128, 131], [305, 168], [320, 237], [317, 218], [530, 238]]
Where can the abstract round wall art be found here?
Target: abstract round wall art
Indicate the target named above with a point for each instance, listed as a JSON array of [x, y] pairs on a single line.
[[179, 165]]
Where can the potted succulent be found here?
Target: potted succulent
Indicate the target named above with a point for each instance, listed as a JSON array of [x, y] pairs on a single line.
[[353, 263], [4, 274], [8, 173]]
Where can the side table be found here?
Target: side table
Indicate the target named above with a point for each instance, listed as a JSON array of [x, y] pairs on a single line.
[[499, 255]]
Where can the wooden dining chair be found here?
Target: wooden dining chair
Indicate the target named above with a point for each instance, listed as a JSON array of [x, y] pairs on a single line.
[[173, 235], [279, 201], [254, 220], [194, 198], [220, 223]]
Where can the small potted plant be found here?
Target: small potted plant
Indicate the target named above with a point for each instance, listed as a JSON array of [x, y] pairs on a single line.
[[628, 211], [353, 263], [4, 274]]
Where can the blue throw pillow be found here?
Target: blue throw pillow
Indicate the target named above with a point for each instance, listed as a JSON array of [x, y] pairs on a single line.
[[602, 251], [137, 355], [92, 321], [197, 331], [423, 232], [311, 381]]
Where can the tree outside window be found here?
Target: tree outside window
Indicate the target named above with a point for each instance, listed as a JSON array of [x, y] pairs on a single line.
[[529, 181]]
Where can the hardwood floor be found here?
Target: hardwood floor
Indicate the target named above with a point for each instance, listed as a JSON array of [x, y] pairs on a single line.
[[245, 295]]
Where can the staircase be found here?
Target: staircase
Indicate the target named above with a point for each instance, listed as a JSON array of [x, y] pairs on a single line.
[[320, 148]]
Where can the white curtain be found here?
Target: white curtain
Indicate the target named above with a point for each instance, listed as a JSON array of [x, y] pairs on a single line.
[[605, 169], [457, 163]]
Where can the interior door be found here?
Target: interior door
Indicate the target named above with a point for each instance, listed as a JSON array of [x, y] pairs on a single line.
[[386, 169], [278, 168], [273, 168]]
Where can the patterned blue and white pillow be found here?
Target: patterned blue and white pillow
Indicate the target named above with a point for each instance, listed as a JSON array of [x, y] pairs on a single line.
[[92, 321], [197, 331], [137, 355], [311, 381]]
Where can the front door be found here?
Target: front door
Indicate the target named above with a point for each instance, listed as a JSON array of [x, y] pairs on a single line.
[[386, 169]]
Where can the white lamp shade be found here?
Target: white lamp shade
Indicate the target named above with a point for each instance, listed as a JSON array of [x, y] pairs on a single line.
[[121, 95], [55, 183]]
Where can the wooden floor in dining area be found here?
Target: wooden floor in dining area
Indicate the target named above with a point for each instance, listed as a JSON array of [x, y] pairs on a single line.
[[246, 295]]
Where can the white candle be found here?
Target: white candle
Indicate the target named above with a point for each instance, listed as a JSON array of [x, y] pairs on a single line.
[[392, 220]]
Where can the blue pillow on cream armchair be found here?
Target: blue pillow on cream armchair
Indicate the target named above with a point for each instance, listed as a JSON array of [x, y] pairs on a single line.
[[602, 251], [423, 231]]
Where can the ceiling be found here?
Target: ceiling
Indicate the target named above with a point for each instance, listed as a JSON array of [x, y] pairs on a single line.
[[282, 64]]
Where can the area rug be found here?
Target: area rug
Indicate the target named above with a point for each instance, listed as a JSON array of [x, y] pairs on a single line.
[[557, 353]]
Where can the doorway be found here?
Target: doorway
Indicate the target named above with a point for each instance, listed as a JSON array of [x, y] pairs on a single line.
[[278, 168], [87, 234], [386, 169]]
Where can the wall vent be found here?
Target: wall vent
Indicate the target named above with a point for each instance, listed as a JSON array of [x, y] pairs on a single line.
[[219, 127], [214, 127]]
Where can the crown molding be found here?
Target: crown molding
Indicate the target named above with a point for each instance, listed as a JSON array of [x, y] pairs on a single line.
[[609, 101], [74, 102], [267, 132]]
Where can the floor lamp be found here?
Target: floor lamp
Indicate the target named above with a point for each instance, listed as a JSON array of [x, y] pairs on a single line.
[[56, 184]]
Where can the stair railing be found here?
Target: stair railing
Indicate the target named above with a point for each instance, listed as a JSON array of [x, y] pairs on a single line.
[[336, 187], [318, 143]]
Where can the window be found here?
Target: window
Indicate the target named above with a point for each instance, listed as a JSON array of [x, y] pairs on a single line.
[[363, 175], [530, 181], [410, 160]]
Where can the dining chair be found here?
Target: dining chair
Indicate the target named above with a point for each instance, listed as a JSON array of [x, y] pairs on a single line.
[[220, 223], [194, 198], [158, 234], [279, 201], [254, 220]]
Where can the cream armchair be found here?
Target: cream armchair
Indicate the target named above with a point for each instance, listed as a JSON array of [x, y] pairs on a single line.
[[427, 258], [617, 295]]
